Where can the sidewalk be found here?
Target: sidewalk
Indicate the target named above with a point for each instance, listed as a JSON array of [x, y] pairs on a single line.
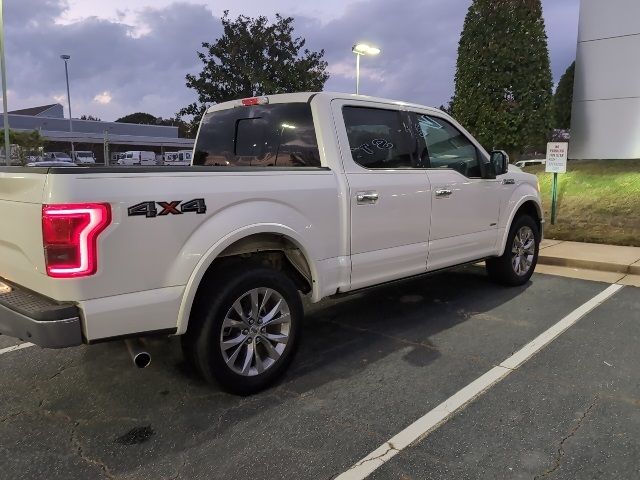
[[590, 261]]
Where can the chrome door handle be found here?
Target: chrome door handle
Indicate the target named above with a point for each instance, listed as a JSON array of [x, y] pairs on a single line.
[[367, 198], [443, 192]]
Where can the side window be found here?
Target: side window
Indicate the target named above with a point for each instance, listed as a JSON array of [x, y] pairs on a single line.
[[275, 135], [379, 138], [448, 147]]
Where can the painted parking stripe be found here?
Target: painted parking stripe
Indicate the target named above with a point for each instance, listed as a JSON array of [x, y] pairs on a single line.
[[422, 427], [15, 347]]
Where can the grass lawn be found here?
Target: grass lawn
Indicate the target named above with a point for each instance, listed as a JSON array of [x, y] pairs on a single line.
[[598, 201]]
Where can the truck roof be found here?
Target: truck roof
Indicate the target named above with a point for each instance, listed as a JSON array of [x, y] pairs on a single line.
[[328, 96]]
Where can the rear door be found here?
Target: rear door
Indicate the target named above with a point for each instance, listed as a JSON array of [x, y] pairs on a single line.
[[389, 192]]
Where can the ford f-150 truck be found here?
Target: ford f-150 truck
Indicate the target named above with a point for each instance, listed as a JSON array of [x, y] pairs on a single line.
[[313, 194]]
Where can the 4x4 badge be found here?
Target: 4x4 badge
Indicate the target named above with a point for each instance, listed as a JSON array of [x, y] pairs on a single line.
[[175, 207]]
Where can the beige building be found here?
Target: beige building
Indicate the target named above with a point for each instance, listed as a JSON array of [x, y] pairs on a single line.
[[606, 100]]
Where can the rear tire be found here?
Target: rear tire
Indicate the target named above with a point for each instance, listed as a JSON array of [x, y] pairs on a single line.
[[244, 330], [520, 257]]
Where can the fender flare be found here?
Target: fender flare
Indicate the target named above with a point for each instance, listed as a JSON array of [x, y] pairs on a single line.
[[522, 200], [216, 249]]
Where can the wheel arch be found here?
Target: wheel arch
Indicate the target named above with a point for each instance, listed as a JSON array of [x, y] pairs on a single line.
[[256, 242], [529, 205]]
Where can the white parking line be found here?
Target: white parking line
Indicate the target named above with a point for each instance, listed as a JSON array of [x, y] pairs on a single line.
[[16, 347], [422, 427]]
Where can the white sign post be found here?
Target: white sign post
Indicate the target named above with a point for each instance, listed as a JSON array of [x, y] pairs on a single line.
[[556, 163]]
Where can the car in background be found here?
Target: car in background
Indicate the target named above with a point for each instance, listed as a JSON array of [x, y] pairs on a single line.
[[84, 157], [51, 163], [179, 158], [56, 157], [137, 157], [530, 163]]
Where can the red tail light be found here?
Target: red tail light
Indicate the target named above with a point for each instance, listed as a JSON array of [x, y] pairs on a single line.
[[69, 234]]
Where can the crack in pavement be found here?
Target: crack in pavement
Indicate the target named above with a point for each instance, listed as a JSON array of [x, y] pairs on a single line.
[[390, 447], [75, 442], [560, 453]]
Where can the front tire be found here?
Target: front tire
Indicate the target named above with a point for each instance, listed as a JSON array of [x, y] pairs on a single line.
[[520, 257], [244, 331]]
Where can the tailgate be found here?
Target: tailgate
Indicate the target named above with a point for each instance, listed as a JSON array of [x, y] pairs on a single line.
[[21, 251]]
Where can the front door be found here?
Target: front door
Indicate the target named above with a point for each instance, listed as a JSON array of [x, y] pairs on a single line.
[[465, 207], [389, 193]]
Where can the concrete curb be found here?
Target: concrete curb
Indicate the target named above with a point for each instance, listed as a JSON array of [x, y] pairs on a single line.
[[589, 265]]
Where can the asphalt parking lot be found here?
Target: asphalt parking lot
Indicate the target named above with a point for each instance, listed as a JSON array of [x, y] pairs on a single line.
[[370, 365]]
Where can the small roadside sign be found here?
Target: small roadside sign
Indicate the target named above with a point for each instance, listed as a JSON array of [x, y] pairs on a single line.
[[557, 157], [556, 163]]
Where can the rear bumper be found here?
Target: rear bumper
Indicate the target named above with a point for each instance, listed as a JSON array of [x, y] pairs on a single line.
[[38, 319]]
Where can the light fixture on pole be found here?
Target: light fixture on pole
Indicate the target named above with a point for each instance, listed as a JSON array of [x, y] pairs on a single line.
[[66, 73], [362, 49], [7, 146]]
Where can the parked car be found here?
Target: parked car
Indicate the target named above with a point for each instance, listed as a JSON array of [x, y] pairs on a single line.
[[529, 163], [84, 157], [170, 158], [179, 158], [221, 255], [56, 156], [138, 158], [51, 163]]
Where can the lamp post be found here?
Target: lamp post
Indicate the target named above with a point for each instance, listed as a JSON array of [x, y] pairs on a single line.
[[66, 73], [7, 146], [362, 49]]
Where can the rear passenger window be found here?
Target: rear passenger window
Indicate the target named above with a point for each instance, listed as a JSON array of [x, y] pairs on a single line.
[[278, 135], [378, 138], [447, 146]]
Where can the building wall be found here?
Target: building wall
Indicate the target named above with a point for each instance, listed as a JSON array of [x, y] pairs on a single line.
[[605, 121]]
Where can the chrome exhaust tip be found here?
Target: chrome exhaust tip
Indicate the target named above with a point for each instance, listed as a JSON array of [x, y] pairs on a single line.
[[139, 355]]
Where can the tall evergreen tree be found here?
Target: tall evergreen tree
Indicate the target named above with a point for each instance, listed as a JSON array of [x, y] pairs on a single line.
[[563, 99], [503, 84]]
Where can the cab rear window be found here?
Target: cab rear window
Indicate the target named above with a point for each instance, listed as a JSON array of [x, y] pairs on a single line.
[[278, 135]]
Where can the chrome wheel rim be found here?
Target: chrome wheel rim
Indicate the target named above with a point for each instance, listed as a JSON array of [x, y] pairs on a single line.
[[255, 331], [523, 250]]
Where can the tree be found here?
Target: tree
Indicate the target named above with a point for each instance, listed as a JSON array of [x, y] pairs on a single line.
[[140, 118], [29, 143], [503, 78], [254, 57], [563, 99], [90, 117]]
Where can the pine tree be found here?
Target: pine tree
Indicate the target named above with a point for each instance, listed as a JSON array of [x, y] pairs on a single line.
[[563, 99], [503, 79]]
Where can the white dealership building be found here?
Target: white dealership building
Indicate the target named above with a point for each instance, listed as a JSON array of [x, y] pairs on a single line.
[[605, 120]]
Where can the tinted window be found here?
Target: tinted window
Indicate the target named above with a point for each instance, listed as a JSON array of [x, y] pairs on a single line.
[[447, 146], [379, 138], [280, 135]]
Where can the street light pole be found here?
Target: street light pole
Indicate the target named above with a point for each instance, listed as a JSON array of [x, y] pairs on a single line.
[[66, 73], [7, 146], [358, 73], [362, 49]]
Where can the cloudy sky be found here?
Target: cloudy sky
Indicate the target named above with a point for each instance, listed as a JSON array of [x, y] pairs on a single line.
[[132, 55]]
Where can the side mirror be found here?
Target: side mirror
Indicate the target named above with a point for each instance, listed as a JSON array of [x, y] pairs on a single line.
[[500, 162]]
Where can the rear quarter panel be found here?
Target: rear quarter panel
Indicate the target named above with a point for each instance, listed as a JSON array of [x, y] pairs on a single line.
[[139, 254]]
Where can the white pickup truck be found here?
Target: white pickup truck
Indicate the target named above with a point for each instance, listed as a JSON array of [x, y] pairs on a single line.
[[307, 193]]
